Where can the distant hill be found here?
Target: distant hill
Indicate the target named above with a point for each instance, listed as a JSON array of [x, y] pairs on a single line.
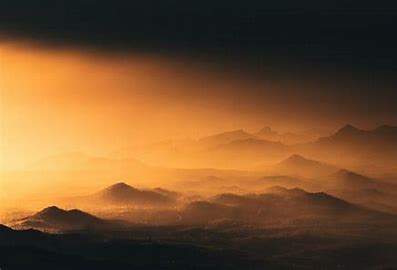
[[225, 137], [371, 198], [276, 180], [350, 180], [355, 147], [266, 133], [283, 199], [278, 206], [123, 194], [300, 166]]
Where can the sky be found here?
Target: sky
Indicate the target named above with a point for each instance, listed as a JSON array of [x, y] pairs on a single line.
[[83, 76]]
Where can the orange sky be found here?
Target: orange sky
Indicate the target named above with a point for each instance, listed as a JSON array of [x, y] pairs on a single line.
[[56, 100]]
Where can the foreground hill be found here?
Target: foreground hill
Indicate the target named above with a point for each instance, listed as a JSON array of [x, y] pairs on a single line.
[[221, 245], [55, 219]]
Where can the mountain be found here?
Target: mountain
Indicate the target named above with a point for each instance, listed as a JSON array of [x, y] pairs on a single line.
[[280, 198], [351, 146], [4, 230], [266, 133], [224, 138], [277, 205], [300, 166], [123, 194], [290, 206], [371, 198], [55, 219], [347, 179]]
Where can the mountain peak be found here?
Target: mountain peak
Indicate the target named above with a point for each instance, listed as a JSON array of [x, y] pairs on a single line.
[[119, 186], [126, 194], [50, 210], [347, 129], [297, 159], [267, 130]]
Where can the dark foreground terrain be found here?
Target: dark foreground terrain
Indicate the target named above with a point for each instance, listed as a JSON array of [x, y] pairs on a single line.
[[223, 245]]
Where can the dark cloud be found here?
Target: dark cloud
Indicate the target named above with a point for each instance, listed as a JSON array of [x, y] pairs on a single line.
[[332, 33], [324, 41]]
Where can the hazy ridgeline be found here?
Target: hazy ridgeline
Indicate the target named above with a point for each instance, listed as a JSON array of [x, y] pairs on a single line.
[[329, 202]]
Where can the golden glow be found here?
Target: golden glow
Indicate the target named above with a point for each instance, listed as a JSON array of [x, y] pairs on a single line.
[[68, 100], [57, 100]]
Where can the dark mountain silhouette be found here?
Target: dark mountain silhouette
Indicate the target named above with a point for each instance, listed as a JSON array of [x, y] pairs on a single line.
[[5, 230], [298, 165], [55, 219], [123, 194]]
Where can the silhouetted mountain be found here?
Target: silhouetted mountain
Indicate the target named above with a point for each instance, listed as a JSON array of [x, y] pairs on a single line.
[[298, 165], [4, 229], [55, 219], [123, 194]]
